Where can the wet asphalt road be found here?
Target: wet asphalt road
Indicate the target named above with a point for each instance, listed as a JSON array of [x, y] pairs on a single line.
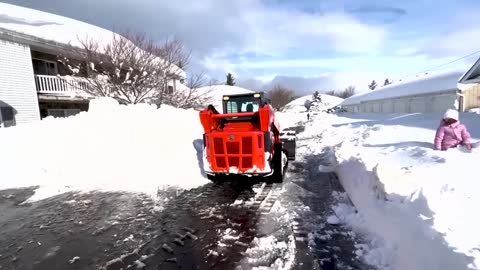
[[184, 230]]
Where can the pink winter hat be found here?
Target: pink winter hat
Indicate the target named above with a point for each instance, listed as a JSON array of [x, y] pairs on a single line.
[[451, 113]]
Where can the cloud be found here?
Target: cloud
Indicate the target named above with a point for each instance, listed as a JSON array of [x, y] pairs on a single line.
[[218, 31], [301, 85], [322, 83], [380, 9], [458, 38], [320, 45]]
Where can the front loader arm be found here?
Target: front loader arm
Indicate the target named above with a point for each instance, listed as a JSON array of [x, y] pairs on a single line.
[[211, 119]]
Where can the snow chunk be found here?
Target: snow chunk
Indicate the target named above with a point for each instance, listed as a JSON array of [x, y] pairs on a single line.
[[333, 220], [74, 259]]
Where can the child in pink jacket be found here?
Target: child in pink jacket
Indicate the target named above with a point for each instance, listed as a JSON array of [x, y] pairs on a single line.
[[451, 133]]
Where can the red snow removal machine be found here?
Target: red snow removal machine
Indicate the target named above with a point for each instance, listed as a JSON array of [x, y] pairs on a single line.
[[245, 139]]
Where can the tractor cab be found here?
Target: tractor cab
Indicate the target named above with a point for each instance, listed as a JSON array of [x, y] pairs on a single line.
[[243, 103]]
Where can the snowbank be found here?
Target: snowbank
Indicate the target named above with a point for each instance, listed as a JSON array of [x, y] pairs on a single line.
[[216, 92], [416, 205], [298, 105], [111, 147]]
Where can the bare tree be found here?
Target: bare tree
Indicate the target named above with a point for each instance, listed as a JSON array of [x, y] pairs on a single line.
[[280, 96], [331, 93], [190, 97], [348, 92], [130, 68], [174, 51]]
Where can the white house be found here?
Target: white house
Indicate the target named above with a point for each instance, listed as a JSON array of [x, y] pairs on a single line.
[[427, 93], [31, 82]]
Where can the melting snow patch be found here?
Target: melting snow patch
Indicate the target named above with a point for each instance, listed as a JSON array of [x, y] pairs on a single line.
[[267, 251], [74, 259]]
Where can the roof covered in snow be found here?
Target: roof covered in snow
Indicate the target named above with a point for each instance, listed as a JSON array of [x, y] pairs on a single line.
[[52, 27], [49, 26], [434, 83]]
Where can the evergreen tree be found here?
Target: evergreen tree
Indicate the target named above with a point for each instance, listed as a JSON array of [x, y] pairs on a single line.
[[230, 79], [387, 82], [317, 97], [372, 85]]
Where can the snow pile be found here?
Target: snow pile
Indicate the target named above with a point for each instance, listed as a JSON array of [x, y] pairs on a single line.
[[216, 92], [298, 105], [416, 205], [113, 147]]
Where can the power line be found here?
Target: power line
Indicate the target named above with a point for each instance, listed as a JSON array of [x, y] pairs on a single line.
[[451, 62], [445, 64]]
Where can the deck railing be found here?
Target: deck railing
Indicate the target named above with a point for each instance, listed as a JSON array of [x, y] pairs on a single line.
[[54, 84]]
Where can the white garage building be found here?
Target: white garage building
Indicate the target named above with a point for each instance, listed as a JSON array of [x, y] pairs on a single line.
[[429, 93]]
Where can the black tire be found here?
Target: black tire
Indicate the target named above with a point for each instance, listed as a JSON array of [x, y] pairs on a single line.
[[214, 178], [277, 166]]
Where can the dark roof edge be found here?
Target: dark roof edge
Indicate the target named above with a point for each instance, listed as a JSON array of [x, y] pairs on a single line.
[[467, 74], [49, 45]]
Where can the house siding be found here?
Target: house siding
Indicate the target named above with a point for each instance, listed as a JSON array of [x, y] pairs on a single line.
[[17, 84], [472, 97]]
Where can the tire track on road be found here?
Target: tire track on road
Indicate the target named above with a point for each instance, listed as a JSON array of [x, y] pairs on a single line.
[[206, 228]]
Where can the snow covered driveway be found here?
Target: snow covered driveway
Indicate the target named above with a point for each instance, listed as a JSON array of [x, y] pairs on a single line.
[[212, 226], [131, 194], [223, 226]]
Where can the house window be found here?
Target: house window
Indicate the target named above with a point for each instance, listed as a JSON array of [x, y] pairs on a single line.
[[170, 89], [62, 112], [7, 116], [182, 81], [44, 67]]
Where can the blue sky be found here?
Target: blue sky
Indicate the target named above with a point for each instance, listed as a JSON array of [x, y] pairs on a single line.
[[305, 44]]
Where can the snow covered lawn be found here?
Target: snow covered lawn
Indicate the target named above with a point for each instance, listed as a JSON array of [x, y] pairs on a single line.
[[112, 147], [416, 205]]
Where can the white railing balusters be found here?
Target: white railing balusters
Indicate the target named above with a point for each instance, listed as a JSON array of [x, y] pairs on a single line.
[[54, 84]]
